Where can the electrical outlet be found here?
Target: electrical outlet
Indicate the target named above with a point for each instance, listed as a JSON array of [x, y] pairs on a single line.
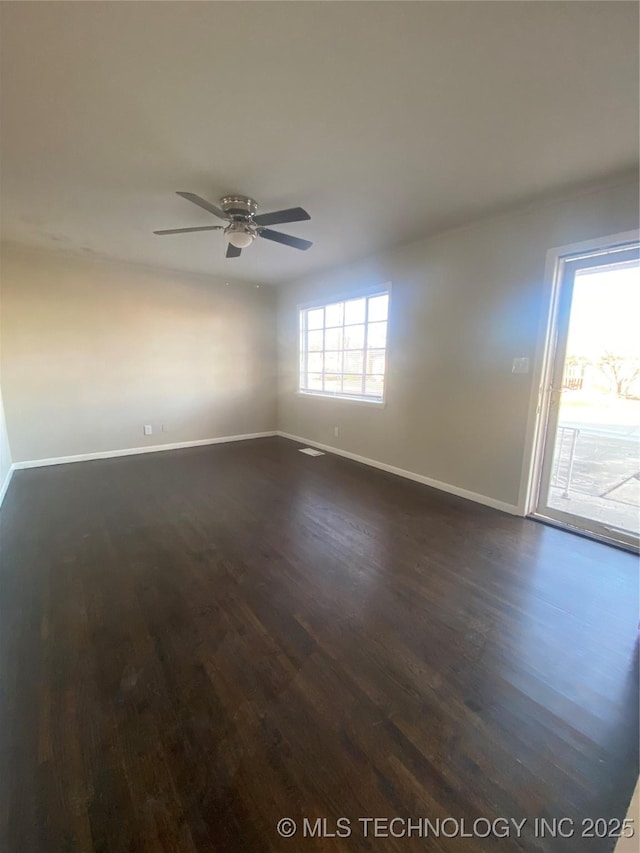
[[336, 432], [164, 428], [147, 429]]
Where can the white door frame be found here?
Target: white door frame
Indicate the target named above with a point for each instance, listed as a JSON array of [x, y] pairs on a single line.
[[544, 360]]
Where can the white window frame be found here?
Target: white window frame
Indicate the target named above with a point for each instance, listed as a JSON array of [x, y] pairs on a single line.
[[380, 290]]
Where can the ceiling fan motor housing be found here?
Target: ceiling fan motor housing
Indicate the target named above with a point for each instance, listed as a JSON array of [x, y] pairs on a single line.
[[239, 206]]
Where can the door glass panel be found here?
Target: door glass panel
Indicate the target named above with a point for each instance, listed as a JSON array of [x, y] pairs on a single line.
[[595, 469]]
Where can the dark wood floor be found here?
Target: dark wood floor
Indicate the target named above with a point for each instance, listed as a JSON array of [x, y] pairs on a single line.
[[195, 644]]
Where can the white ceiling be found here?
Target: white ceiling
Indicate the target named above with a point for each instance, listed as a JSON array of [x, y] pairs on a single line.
[[385, 121]]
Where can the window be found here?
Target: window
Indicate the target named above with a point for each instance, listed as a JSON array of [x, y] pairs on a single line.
[[343, 348]]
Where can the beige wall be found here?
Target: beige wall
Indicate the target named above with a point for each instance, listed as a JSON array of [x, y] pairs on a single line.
[[92, 351], [5, 450], [463, 305], [630, 845]]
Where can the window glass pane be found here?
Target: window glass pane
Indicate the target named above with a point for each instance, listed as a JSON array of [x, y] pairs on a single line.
[[375, 361], [374, 385], [333, 362], [354, 337], [353, 360], [377, 335], [352, 384], [378, 307], [332, 383], [334, 314], [354, 311], [314, 341], [333, 359], [333, 339], [315, 362], [315, 318]]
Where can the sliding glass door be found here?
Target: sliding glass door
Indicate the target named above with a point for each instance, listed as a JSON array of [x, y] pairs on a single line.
[[590, 471]]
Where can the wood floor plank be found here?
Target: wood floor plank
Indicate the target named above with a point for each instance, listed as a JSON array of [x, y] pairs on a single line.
[[197, 643]]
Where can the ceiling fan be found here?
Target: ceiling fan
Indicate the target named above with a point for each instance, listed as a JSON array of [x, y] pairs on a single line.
[[244, 226]]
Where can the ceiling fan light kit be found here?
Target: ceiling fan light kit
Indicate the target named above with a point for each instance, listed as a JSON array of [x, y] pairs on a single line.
[[239, 235], [244, 225]]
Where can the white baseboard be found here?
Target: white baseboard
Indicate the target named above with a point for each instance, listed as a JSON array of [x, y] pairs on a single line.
[[5, 485], [133, 451], [512, 509]]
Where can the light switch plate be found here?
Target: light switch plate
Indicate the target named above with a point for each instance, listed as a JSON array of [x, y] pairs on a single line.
[[520, 365]]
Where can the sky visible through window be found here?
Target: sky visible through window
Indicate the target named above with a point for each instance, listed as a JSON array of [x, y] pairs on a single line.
[[605, 313]]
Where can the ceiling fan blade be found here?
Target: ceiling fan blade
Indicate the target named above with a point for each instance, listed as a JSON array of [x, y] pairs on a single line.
[[293, 214], [185, 230], [233, 251], [203, 203], [287, 239]]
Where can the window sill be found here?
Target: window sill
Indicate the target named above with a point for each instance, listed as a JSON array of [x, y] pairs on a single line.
[[358, 401]]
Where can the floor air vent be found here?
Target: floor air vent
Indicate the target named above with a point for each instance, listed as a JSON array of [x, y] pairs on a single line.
[[310, 451]]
